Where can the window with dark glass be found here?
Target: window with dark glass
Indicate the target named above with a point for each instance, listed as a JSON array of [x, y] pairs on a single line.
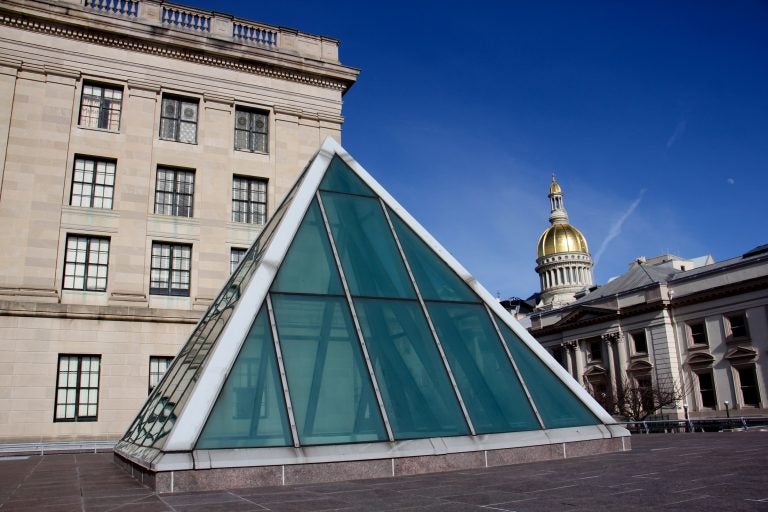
[[77, 388], [170, 271], [595, 349], [93, 183], [707, 390], [639, 342], [86, 263], [157, 367], [698, 332], [559, 354], [250, 130], [100, 106], [178, 119], [737, 324], [750, 393], [236, 255], [174, 192], [249, 200]]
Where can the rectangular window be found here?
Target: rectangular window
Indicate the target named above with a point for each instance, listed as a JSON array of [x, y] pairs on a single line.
[[236, 255], [170, 270], [157, 367], [77, 388], [249, 200], [250, 130], [707, 390], [178, 119], [639, 342], [559, 354], [85, 263], [698, 333], [100, 106], [93, 183], [737, 326], [174, 192], [750, 394], [595, 349]]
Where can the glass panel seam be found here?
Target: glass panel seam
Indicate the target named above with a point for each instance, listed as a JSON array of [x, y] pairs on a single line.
[[355, 321], [281, 369], [514, 366], [424, 310]]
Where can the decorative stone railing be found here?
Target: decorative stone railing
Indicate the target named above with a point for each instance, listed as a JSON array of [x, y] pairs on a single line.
[[179, 17], [129, 8], [215, 25], [254, 34]]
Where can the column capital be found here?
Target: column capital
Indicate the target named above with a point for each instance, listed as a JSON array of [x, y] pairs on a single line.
[[610, 337]]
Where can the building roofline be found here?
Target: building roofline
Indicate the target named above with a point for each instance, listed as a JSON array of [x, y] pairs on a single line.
[[218, 40]]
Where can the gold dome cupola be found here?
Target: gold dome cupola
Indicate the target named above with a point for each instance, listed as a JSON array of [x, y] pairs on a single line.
[[562, 255]]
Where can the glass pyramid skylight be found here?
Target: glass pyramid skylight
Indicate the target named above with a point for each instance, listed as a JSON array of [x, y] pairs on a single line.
[[347, 323]]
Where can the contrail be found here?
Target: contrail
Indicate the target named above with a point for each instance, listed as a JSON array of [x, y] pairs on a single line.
[[616, 227], [679, 131]]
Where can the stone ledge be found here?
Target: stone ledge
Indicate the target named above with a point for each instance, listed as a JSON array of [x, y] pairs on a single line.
[[261, 476]]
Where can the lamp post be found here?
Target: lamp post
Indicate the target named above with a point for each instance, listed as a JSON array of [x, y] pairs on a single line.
[[727, 410], [687, 420]]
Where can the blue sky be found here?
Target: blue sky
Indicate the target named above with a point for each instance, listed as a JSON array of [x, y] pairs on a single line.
[[653, 115]]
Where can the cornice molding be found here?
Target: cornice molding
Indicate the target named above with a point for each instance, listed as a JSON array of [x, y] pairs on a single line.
[[103, 38], [85, 312]]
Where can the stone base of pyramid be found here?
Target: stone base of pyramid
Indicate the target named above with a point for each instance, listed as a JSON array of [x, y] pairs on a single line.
[[304, 473]]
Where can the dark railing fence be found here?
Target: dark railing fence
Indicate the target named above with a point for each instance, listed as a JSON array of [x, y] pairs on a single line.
[[696, 425]]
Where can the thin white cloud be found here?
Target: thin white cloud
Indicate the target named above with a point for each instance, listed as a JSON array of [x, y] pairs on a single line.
[[679, 131], [616, 227]]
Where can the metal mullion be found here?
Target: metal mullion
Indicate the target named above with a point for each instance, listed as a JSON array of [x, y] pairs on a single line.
[[514, 366], [358, 330], [281, 369], [429, 322]]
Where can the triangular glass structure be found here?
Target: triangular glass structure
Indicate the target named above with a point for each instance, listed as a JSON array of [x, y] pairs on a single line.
[[347, 325]]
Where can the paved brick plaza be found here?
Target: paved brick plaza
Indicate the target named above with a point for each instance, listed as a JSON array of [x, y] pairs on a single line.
[[703, 472]]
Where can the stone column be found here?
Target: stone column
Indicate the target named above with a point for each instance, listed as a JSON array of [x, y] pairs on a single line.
[[567, 346], [610, 340], [579, 362]]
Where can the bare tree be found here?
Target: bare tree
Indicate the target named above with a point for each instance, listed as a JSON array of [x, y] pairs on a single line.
[[638, 400]]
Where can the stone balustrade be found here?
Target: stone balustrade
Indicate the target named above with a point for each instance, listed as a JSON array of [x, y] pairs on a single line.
[[216, 26]]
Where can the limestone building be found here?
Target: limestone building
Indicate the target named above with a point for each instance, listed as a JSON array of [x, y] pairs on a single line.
[[562, 256], [143, 145], [690, 324]]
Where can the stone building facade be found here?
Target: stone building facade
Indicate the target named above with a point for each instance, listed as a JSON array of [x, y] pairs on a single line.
[[697, 325], [142, 147]]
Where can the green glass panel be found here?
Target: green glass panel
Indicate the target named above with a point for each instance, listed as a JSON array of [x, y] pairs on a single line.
[[340, 178], [436, 280], [557, 405], [489, 386], [159, 413], [308, 266], [331, 391], [250, 409], [414, 384], [367, 250]]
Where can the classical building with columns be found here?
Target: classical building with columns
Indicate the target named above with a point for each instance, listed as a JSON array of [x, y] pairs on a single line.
[[562, 257], [143, 145], [695, 324]]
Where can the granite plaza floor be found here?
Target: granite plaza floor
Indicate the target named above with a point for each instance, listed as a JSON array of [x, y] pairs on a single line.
[[702, 472]]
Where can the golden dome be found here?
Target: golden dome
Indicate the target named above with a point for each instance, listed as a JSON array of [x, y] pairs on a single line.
[[561, 238], [554, 188]]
